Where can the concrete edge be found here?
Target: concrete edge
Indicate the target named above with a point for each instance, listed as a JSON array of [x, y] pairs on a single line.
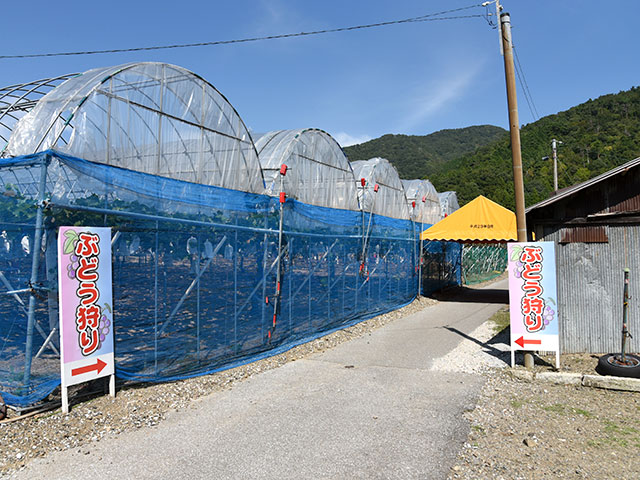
[[564, 378], [612, 383]]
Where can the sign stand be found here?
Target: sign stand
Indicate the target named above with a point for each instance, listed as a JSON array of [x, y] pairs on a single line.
[[86, 313], [513, 358], [533, 299]]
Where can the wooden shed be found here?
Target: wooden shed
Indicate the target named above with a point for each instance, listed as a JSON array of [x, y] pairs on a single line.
[[596, 228]]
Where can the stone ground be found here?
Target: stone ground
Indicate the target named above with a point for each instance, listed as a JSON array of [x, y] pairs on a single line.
[[538, 430]]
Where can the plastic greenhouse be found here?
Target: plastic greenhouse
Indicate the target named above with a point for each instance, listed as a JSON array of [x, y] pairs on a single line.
[[149, 117], [424, 208], [17, 100], [208, 272], [380, 189], [448, 203], [318, 172], [423, 201]]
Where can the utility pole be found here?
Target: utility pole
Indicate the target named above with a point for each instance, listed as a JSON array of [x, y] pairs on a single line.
[[514, 129], [554, 145], [514, 125]]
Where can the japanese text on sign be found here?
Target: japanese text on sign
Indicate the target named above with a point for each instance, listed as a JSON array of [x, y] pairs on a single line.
[[532, 304]]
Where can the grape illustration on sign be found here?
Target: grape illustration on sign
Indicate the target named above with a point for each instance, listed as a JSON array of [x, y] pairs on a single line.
[[533, 298], [86, 313]]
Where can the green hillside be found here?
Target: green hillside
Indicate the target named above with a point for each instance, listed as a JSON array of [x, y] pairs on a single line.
[[421, 156], [598, 135]]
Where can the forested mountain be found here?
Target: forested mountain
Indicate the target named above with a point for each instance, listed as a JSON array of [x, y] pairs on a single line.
[[597, 136], [417, 156]]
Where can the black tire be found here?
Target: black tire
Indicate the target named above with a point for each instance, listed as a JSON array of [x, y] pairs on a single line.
[[610, 365]]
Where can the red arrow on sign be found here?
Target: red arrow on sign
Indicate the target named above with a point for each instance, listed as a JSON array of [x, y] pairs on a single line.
[[522, 342], [98, 366]]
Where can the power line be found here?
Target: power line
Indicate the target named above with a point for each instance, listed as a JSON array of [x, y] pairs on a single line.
[[525, 87], [423, 18]]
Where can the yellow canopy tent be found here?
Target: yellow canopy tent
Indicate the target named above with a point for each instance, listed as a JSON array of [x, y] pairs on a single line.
[[480, 220]]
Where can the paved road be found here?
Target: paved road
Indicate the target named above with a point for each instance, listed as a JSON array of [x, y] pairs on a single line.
[[369, 408]]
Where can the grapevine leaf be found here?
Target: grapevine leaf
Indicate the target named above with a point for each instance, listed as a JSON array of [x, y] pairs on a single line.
[[70, 241], [68, 246], [515, 252], [71, 234]]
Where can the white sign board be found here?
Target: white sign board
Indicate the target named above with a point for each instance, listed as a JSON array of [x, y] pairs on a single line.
[[533, 299], [86, 306]]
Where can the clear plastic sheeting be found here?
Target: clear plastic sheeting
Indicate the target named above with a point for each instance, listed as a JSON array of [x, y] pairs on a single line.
[[318, 172], [17, 100], [423, 201], [380, 189], [149, 117], [448, 203]]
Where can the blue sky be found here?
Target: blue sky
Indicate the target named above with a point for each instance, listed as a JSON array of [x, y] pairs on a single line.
[[412, 78]]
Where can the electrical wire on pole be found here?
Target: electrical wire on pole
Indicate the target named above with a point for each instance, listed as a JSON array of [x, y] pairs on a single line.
[[525, 87], [431, 17]]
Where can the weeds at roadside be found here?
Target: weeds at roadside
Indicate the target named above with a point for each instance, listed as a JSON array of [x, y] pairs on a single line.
[[562, 409], [620, 434], [500, 320], [582, 412], [558, 408]]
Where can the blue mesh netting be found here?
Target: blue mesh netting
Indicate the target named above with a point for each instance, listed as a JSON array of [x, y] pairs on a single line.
[[194, 271], [441, 266]]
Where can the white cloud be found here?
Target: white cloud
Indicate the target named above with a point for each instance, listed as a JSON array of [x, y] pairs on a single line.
[[346, 140], [438, 95]]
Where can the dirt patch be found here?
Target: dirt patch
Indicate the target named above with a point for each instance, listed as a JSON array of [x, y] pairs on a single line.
[[523, 430], [537, 430]]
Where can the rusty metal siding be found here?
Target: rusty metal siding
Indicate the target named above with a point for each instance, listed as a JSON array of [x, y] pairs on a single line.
[[590, 289], [623, 193], [586, 234], [627, 205]]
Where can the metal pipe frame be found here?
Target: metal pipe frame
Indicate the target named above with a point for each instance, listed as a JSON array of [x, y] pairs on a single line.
[[193, 284], [35, 265]]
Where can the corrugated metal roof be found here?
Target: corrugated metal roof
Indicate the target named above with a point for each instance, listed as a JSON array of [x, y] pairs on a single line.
[[581, 186]]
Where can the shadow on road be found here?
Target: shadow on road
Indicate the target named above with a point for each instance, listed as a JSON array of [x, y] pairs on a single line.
[[473, 295], [501, 338]]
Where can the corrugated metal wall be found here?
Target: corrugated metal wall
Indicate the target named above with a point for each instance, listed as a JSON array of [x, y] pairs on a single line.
[[590, 291]]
